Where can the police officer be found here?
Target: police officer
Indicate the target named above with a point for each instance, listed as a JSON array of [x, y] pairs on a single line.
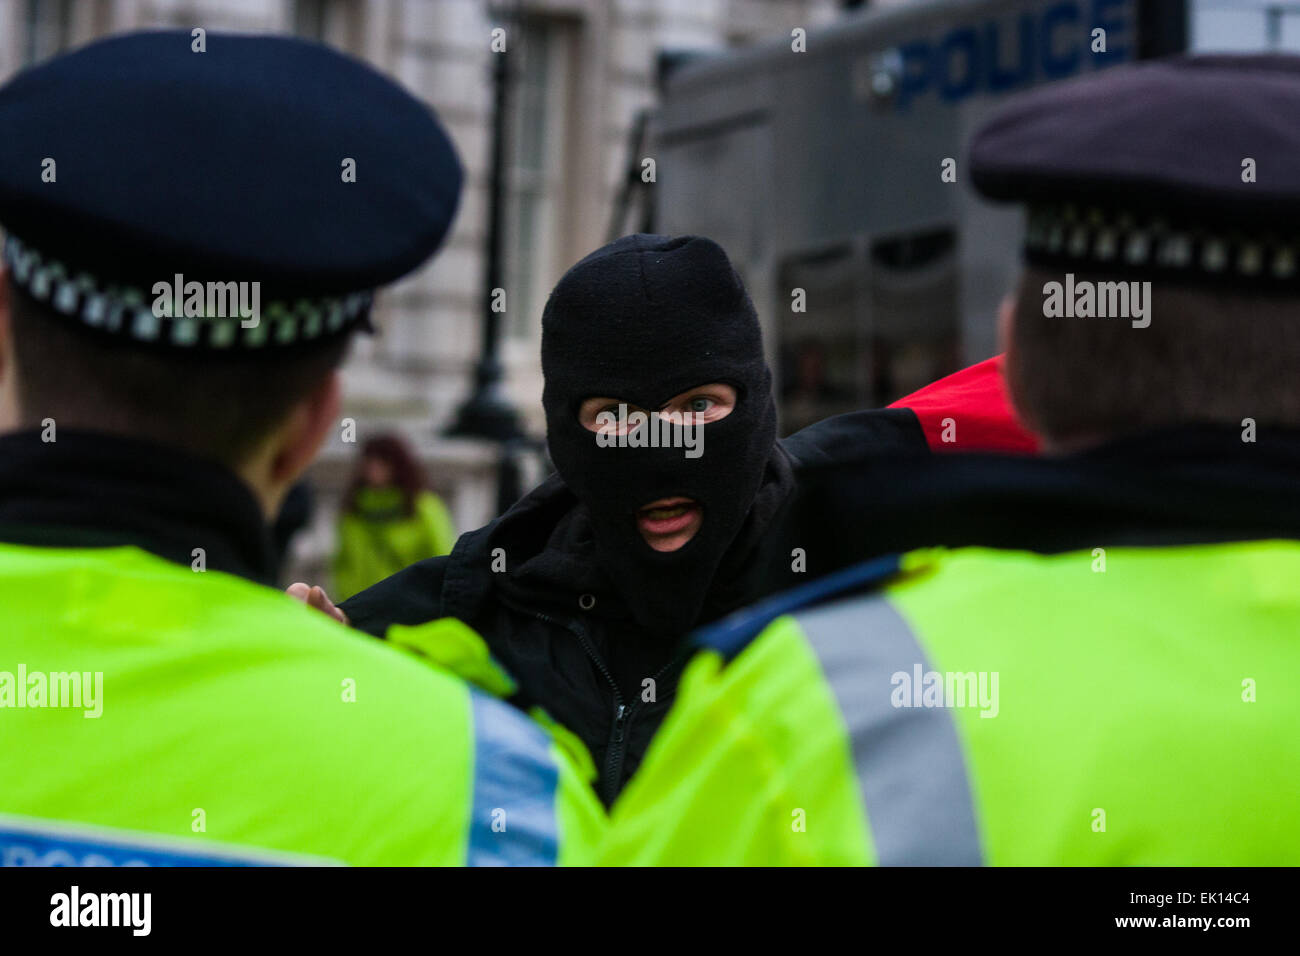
[[1113, 690], [192, 235]]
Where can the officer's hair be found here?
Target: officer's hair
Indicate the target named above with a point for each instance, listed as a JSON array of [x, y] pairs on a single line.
[[215, 406], [1210, 355]]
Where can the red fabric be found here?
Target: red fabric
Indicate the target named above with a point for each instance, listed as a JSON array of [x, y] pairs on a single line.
[[975, 399]]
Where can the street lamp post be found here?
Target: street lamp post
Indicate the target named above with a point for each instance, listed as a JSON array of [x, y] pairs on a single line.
[[488, 413]]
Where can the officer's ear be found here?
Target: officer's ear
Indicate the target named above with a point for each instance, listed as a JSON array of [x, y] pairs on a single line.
[[8, 378], [1006, 326], [5, 347], [1011, 357], [305, 430]]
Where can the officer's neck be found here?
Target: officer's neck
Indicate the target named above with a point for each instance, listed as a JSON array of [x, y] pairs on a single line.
[[264, 473]]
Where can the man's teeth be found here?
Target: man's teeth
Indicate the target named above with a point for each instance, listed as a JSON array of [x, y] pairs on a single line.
[[659, 514]]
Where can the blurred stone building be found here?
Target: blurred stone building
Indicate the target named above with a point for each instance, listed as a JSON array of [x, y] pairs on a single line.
[[582, 72]]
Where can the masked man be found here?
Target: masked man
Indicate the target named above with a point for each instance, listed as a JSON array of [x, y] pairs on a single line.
[[585, 587]]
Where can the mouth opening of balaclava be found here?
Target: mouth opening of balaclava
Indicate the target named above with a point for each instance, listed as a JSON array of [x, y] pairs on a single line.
[[640, 321]]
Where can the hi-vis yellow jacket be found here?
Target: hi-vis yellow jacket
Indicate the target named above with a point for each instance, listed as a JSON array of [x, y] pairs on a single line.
[[151, 714]]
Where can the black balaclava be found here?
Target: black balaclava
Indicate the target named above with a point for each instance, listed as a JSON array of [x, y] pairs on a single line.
[[641, 320]]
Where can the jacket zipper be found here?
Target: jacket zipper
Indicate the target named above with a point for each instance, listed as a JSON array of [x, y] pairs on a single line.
[[622, 719], [623, 712], [618, 732]]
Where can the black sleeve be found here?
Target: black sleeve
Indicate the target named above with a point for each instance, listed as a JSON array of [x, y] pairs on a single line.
[[411, 596], [877, 432]]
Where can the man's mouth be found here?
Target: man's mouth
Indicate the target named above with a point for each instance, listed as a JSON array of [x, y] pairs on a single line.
[[667, 515]]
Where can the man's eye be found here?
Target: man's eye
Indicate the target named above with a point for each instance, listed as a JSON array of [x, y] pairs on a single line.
[[700, 404]]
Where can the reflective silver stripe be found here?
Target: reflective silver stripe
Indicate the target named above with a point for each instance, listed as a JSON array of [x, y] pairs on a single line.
[[512, 820], [909, 761]]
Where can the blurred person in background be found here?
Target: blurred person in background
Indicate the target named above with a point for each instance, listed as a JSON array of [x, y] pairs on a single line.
[[389, 519]]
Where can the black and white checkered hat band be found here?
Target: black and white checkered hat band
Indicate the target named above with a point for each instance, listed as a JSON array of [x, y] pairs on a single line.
[[129, 312], [1085, 237]]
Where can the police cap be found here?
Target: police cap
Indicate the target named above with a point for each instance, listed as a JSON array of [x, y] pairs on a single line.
[[145, 177], [1182, 169]]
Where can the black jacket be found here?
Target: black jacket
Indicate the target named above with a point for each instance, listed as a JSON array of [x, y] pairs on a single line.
[[555, 623]]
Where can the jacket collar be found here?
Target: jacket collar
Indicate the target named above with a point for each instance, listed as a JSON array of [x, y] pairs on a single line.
[[97, 490], [1185, 485]]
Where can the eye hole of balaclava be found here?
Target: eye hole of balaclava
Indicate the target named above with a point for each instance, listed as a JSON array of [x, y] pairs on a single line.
[[698, 405]]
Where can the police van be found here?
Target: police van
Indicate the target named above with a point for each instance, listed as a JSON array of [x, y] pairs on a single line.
[[831, 167]]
